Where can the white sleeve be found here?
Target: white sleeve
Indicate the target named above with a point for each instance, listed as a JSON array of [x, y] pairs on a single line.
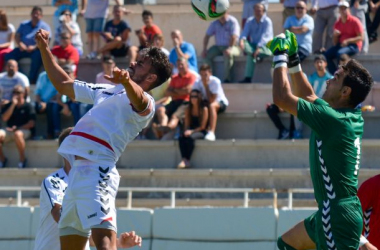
[[215, 85], [148, 112], [197, 83], [54, 190], [24, 80], [86, 92]]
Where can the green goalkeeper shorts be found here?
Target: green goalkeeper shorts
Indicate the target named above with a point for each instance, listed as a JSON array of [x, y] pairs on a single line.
[[337, 225]]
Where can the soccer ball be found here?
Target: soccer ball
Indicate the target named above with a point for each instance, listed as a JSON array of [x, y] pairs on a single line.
[[210, 9]]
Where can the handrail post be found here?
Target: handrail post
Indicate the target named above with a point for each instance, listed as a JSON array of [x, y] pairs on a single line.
[[246, 199], [19, 195], [290, 198], [129, 201], [172, 199], [275, 199]]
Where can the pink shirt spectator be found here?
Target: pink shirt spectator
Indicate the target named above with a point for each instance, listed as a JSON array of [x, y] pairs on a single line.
[[351, 28]]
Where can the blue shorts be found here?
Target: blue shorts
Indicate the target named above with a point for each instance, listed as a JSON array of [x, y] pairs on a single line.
[[95, 24]]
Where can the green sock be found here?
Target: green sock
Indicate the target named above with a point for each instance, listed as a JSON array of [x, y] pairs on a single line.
[[282, 245]]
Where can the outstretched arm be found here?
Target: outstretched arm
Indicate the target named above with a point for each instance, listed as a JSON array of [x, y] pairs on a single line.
[[135, 93], [281, 91], [61, 81]]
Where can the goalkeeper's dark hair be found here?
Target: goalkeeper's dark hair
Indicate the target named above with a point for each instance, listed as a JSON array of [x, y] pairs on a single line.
[[160, 65], [65, 133], [359, 80]]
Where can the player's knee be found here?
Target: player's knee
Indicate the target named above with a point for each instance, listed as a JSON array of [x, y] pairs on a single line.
[[282, 245]]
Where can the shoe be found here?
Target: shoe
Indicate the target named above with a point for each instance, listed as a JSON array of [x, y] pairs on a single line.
[[181, 165], [372, 39], [3, 164], [210, 136], [22, 164], [284, 134], [246, 80], [92, 55], [297, 134]]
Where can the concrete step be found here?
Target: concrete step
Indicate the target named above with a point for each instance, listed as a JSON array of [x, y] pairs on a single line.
[[173, 14], [238, 154], [266, 178]]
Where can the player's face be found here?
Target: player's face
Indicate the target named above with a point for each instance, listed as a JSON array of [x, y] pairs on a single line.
[[148, 20], [334, 87], [139, 70]]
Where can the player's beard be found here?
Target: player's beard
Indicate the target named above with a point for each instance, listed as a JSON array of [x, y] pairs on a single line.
[[136, 78]]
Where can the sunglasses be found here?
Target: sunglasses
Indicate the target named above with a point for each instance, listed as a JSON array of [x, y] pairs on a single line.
[[193, 96], [65, 37], [17, 92], [67, 14], [299, 8]]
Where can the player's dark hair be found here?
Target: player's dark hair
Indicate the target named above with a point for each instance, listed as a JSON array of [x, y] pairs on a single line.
[[160, 65], [204, 67], [65, 133], [359, 80], [147, 13], [36, 8]]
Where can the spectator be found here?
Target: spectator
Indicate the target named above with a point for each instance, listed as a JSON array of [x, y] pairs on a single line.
[[95, 14], [248, 9], [9, 79], [327, 15], [289, 8], [20, 118], [159, 42], [27, 45], [227, 31], [179, 91], [196, 116], [7, 36], [212, 91], [273, 112], [46, 97], [358, 9], [343, 59], [69, 25], [148, 31], [373, 25], [117, 36], [320, 76], [108, 64], [257, 31], [63, 5], [66, 53], [302, 25], [348, 37], [182, 49]]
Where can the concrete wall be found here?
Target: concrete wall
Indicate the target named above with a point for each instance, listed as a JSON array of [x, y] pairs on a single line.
[[172, 229]]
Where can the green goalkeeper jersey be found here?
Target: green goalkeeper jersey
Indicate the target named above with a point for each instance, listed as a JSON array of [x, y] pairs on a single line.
[[335, 145]]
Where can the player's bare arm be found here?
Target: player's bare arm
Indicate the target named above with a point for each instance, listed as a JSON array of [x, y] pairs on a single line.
[[282, 94], [126, 240], [301, 87], [61, 81], [56, 212], [134, 92]]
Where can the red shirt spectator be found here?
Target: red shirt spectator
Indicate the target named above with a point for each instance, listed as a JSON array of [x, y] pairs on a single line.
[[369, 196], [351, 28], [179, 81], [151, 31], [66, 52]]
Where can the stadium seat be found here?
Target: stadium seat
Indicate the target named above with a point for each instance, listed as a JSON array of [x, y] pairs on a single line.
[[15, 245], [214, 224], [14, 217]]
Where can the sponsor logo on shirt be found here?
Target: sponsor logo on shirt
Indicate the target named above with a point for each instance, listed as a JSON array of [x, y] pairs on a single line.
[[92, 215]]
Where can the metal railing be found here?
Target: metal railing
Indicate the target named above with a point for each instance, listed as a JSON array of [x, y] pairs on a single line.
[[173, 191]]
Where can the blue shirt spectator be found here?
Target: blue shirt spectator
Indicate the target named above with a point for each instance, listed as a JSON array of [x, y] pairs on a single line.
[[182, 49], [27, 31], [44, 88], [302, 25], [319, 82], [258, 33], [224, 30]]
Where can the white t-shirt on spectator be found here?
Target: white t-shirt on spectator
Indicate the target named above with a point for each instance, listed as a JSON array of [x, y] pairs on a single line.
[[215, 87], [4, 35], [76, 39], [8, 83]]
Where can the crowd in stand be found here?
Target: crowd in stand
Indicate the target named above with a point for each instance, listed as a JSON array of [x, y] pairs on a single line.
[[187, 105]]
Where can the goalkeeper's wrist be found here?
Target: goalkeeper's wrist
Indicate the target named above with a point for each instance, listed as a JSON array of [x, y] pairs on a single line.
[[362, 241], [294, 64], [280, 60]]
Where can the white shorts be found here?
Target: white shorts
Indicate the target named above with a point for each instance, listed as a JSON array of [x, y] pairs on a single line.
[[89, 200]]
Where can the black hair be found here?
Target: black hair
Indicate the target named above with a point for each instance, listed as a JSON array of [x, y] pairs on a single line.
[[35, 8], [359, 80], [62, 136], [160, 64], [147, 13]]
